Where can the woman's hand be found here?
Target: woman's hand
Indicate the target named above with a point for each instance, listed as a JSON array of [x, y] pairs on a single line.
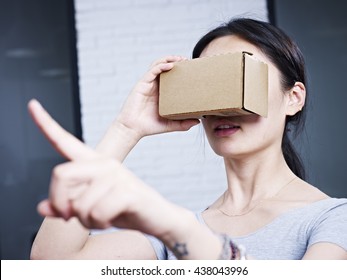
[[98, 190], [102, 193], [140, 111], [139, 116]]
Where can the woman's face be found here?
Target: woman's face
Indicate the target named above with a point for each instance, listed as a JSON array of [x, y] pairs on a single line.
[[239, 136]]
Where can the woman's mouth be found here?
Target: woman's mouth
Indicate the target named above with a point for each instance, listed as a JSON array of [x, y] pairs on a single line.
[[225, 130]]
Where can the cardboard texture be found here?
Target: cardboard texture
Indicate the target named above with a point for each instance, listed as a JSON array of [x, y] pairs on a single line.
[[227, 85]]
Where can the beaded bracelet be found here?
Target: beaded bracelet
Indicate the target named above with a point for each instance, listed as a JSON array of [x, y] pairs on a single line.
[[230, 250]]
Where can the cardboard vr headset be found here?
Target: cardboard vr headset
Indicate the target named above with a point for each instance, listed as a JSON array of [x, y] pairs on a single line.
[[227, 85]]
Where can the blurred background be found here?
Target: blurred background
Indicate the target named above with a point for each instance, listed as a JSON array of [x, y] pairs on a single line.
[[81, 58]]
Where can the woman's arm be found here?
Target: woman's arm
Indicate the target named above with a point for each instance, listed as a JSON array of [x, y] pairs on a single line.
[[101, 192], [325, 251], [60, 239], [138, 118]]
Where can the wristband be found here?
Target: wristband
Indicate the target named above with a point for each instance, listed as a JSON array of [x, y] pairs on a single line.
[[231, 250]]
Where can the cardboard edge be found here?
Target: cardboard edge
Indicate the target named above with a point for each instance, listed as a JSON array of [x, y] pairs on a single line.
[[255, 94], [200, 115]]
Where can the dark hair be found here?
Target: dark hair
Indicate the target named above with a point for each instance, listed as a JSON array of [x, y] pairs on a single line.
[[285, 55]]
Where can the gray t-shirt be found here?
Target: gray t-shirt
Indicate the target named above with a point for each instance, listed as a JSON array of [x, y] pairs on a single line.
[[288, 236]]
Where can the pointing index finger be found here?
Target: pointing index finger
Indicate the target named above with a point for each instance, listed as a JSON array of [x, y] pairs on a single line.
[[63, 141]]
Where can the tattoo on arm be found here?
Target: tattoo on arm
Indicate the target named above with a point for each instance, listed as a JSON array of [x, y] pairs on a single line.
[[180, 250]]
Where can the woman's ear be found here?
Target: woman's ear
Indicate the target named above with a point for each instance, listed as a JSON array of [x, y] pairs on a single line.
[[296, 98]]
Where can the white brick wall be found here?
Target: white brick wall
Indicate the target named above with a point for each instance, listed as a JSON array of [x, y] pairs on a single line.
[[117, 41]]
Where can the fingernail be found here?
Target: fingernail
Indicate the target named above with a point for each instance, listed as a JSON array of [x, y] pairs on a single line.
[[35, 103]]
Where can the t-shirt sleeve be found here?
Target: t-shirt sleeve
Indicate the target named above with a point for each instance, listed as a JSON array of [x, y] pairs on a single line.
[[159, 247], [331, 226]]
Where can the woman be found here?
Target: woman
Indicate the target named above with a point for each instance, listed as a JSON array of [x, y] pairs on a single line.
[[267, 207]]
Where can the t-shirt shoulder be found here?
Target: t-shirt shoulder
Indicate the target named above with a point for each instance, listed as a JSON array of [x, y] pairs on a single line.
[[330, 223]]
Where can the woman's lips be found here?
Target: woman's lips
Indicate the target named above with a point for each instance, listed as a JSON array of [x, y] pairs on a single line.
[[223, 130]]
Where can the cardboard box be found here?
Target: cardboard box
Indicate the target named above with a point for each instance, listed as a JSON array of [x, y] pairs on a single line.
[[227, 85]]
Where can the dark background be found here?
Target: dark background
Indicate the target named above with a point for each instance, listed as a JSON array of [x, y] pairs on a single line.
[[320, 29], [38, 59]]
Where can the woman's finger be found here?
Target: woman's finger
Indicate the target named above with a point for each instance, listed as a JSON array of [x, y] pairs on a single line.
[[45, 209], [182, 125], [71, 179], [64, 142], [160, 66], [153, 73], [108, 208], [83, 204], [169, 58]]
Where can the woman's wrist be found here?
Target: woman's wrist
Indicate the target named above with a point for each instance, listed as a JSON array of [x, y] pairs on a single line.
[[189, 239], [118, 141]]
